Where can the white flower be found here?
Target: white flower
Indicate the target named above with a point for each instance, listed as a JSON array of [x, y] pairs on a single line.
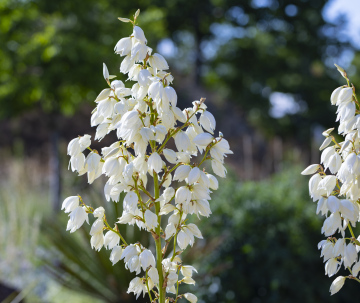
[[218, 168], [350, 256], [155, 163], [311, 169], [77, 218], [130, 201], [213, 182], [70, 204], [147, 259], [182, 141], [332, 266], [335, 95], [207, 121], [99, 212], [111, 239], [138, 34], [333, 204], [170, 155], [203, 139], [182, 172], [129, 252], [116, 254], [194, 175], [123, 47], [105, 72], [187, 270], [190, 297], [337, 284], [154, 275], [157, 61], [348, 210], [151, 220], [97, 241], [97, 227], [326, 143], [137, 287]]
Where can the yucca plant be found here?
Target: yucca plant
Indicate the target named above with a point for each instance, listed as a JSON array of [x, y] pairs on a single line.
[[81, 269]]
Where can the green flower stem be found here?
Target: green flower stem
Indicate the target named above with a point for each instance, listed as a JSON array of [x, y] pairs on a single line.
[[158, 241], [147, 286]]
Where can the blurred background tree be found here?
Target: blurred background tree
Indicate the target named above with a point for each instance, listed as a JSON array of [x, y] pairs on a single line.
[[266, 67]]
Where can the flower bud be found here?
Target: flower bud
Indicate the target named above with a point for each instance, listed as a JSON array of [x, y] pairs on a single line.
[[337, 284], [311, 169]]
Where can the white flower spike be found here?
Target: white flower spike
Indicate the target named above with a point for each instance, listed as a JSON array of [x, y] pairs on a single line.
[[147, 122], [338, 192]]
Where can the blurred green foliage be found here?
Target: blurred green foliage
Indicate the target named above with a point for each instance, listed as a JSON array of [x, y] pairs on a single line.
[[263, 245], [51, 53]]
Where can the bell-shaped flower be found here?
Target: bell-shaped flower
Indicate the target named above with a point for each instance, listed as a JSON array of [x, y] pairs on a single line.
[[213, 182], [155, 163], [97, 241], [331, 224], [170, 155], [97, 227], [130, 201], [182, 141], [349, 210], [345, 95], [194, 175], [218, 168], [350, 256], [147, 259], [144, 77], [182, 172], [77, 218], [207, 121], [170, 230], [187, 270], [154, 275], [70, 203], [328, 183], [339, 247], [138, 34], [157, 61], [151, 220], [333, 204], [116, 254], [156, 89], [137, 287], [129, 252], [123, 47], [111, 239], [170, 95], [99, 212]]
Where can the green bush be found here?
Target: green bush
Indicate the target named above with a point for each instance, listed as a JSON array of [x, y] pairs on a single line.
[[262, 245]]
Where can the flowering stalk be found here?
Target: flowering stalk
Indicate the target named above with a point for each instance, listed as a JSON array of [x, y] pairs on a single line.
[[146, 118], [335, 185]]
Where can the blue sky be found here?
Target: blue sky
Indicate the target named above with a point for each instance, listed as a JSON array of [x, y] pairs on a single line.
[[349, 8]]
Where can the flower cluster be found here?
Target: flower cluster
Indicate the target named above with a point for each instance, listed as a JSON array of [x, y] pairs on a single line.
[[145, 117], [335, 186]]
